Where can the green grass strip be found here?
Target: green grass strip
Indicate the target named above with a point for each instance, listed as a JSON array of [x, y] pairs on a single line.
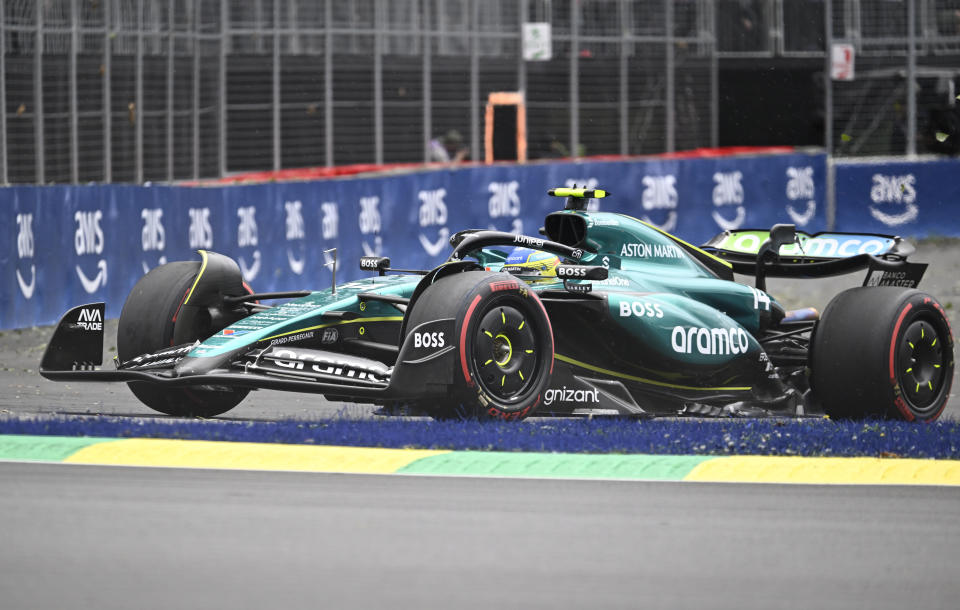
[[44, 448], [567, 465]]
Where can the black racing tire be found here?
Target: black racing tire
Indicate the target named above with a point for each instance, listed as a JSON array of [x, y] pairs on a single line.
[[146, 325], [882, 352], [504, 342]]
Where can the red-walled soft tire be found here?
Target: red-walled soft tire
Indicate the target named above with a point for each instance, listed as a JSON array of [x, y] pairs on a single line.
[[504, 342], [882, 352]]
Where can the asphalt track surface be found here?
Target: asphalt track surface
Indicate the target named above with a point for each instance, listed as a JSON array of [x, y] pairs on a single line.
[[115, 537]]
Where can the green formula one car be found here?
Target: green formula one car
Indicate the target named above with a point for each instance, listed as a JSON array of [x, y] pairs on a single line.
[[606, 315]]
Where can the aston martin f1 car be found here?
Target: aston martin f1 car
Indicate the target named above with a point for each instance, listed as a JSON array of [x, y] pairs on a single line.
[[602, 314]]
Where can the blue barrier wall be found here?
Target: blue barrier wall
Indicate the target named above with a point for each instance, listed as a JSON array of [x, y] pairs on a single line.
[[916, 199], [65, 245]]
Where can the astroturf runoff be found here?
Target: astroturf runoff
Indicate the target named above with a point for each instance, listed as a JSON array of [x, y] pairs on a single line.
[[173, 453]]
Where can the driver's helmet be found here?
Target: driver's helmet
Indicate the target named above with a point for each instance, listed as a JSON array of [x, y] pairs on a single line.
[[528, 260]]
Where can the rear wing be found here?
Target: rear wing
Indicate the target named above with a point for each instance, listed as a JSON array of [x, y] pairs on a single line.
[[820, 255]]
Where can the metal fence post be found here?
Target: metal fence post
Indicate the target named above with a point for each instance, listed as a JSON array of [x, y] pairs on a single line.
[[828, 112], [196, 90], [222, 92], [107, 100], [276, 86], [171, 56], [378, 80], [427, 83], [38, 99], [911, 78], [4, 161], [74, 115], [475, 81], [624, 78], [671, 79], [328, 83], [138, 97], [574, 80]]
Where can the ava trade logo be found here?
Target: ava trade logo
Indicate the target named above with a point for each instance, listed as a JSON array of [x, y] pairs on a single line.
[[88, 239], [660, 196], [25, 252], [800, 186], [728, 191], [433, 213], [898, 191], [152, 236]]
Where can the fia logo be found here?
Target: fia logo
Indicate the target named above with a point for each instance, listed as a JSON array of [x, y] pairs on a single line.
[[504, 202], [728, 191], [799, 187], [329, 229], [296, 233], [897, 191], [88, 239], [152, 236], [200, 233], [25, 251], [433, 213], [247, 238], [660, 193], [593, 205], [369, 220]]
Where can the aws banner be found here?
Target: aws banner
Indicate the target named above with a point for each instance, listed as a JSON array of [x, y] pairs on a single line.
[[916, 199], [65, 245]]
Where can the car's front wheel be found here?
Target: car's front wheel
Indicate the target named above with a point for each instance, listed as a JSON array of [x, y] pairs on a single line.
[[505, 344]]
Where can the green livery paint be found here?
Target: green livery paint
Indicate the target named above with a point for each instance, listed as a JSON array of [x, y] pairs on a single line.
[[819, 245], [43, 448]]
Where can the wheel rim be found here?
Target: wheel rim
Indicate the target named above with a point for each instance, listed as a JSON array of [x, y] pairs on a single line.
[[920, 364], [505, 353]]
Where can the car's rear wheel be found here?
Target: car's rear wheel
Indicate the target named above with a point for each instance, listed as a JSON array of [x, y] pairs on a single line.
[[146, 325], [882, 352], [505, 344]]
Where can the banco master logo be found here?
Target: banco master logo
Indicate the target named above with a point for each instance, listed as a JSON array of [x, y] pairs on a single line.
[[247, 237], [433, 213], [88, 240], [728, 191], [800, 187], [25, 252], [504, 202], [369, 221], [660, 198], [897, 195], [296, 233], [152, 236]]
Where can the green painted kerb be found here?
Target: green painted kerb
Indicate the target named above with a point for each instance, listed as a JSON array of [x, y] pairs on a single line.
[[44, 448], [565, 465]]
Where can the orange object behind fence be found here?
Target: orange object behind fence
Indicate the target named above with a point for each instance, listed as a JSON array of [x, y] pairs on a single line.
[[506, 98]]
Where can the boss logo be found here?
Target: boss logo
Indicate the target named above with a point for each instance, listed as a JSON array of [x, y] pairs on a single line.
[[563, 271], [369, 263], [640, 309], [434, 339]]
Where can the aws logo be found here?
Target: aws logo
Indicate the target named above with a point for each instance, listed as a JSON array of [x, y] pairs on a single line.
[[504, 202], [660, 194], [800, 187], [296, 234], [728, 191], [897, 191], [88, 240], [247, 237], [153, 237], [329, 229], [433, 213], [25, 252], [369, 220]]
